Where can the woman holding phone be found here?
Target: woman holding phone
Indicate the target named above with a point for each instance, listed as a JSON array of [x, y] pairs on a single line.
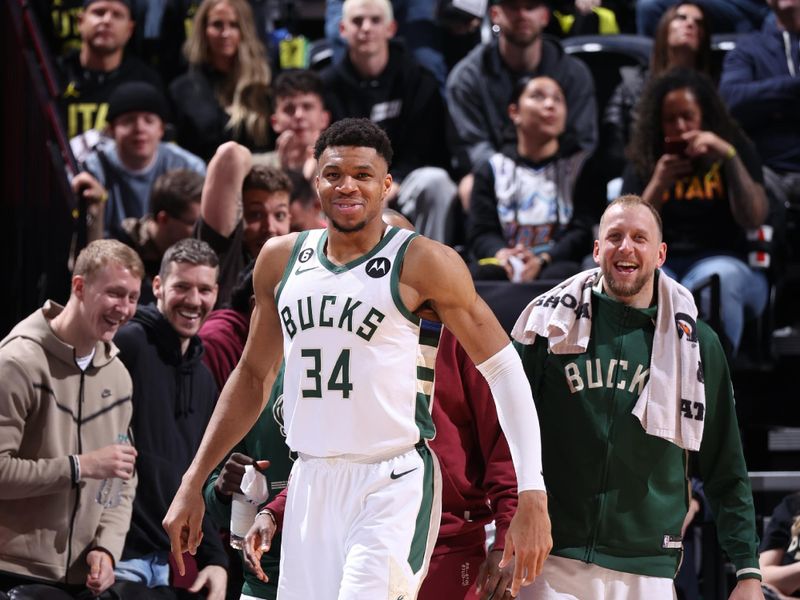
[[682, 40], [691, 161]]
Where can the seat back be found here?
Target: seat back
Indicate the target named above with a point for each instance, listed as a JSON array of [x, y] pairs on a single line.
[[604, 55], [721, 44]]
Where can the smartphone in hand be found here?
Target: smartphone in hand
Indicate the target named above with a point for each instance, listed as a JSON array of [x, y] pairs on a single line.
[[675, 146]]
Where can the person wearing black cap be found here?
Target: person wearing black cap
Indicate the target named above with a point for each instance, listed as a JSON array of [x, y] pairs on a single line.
[[128, 163], [479, 87], [92, 72]]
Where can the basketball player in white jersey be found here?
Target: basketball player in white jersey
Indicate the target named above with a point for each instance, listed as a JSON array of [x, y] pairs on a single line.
[[362, 512]]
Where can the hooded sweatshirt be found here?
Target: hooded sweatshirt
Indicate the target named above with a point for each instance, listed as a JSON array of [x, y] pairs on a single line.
[[50, 410], [174, 396], [479, 89], [404, 100]]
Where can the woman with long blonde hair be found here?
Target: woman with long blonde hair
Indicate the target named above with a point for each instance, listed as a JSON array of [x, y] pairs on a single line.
[[225, 94]]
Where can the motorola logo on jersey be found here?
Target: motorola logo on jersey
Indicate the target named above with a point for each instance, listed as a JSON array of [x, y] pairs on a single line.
[[378, 267], [305, 255]]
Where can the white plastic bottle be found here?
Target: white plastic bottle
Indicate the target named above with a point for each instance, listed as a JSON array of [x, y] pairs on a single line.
[[243, 513]]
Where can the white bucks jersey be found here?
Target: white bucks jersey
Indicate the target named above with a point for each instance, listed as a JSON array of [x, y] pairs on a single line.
[[359, 365]]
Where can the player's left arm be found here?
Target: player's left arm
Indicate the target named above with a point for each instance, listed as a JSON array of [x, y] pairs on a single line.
[[721, 460], [435, 276]]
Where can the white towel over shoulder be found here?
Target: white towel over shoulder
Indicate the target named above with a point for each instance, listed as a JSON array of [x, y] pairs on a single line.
[[672, 403]]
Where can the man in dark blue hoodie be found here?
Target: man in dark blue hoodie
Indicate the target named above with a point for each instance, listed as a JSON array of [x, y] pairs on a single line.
[[761, 85], [173, 398]]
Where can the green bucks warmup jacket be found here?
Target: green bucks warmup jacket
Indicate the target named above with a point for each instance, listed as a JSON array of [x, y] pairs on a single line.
[[618, 496]]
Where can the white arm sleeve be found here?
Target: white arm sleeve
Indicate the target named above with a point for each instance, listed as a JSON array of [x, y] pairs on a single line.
[[517, 414]]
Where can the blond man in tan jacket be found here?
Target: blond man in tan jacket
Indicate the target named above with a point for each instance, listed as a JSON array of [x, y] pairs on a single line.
[[65, 405]]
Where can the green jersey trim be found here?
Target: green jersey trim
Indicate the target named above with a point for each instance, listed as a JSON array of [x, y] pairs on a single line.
[[395, 282], [428, 347], [327, 264], [301, 238]]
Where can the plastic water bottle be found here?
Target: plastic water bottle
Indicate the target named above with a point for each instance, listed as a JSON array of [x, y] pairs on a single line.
[[243, 513], [110, 492]]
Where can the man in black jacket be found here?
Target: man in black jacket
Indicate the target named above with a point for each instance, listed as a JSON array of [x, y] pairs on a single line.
[[173, 398], [91, 73], [379, 80]]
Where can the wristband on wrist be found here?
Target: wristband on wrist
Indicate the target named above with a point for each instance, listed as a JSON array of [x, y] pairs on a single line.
[[730, 153], [75, 468], [267, 512]]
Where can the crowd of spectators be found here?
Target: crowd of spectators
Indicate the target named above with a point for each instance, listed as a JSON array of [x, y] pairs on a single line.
[[196, 149]]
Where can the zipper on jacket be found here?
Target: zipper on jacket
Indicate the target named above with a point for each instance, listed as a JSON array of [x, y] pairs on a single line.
[[602, 492], [77, 486]]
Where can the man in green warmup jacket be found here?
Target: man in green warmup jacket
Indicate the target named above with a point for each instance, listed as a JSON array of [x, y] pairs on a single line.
[[266, 440], [618, 494]]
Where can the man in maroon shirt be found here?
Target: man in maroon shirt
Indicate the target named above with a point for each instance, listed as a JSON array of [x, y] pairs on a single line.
[[478, 483]]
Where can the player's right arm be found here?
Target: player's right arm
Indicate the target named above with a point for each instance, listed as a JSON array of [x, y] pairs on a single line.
[[240, 402], [221, 201]]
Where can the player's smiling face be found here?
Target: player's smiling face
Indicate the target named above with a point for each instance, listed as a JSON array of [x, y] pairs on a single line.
[[352, 184], [629, 250]]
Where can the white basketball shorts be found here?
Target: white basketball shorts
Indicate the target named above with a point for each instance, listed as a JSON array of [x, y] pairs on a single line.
[[360, 531]]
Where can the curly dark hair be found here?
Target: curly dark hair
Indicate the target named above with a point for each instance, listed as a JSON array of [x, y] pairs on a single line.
[[355, 132], [647, 141]]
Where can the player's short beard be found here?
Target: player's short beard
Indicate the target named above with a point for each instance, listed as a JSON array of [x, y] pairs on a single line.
[[350, 229], [624, 290]]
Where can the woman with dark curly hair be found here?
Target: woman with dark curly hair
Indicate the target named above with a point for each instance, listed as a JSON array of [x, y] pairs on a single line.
[[682, 39], [691, 161]]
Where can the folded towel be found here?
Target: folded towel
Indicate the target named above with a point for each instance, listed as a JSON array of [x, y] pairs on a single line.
[[672, 403]]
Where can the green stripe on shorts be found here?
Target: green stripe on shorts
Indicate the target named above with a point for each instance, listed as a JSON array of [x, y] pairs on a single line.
[[419, 543]]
